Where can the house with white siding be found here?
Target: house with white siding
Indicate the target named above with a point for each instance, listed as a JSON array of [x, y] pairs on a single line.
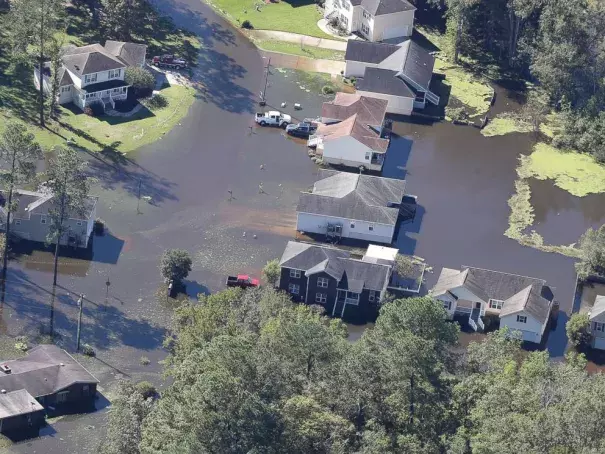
[[94, 74], [351, 132], [397, 73], [521, 303], [375, 20], [347, 205], [597, 323]]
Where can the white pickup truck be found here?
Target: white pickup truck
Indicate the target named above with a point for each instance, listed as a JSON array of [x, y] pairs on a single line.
[[273, 118]]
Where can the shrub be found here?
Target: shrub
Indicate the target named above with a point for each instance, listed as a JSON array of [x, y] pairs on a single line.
[[88, 350], [247, 25], [21, 343], [271, 272], [99, 226], [175, 265], [327, 90], [157, 101], [144, 361], [88, 111], [577, 329], [141, 80], [146, 389]]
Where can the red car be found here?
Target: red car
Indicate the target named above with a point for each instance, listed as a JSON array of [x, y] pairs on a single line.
[[242, 281], [169, 61]]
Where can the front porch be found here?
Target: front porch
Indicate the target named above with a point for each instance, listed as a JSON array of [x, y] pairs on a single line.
[[104, 93]]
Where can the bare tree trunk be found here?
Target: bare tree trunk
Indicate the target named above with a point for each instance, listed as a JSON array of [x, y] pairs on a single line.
[[458, 38], [7, 233], [56, 264], [41, 64]]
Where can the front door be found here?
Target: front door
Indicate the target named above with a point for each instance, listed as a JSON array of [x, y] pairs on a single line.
[[477, 305]]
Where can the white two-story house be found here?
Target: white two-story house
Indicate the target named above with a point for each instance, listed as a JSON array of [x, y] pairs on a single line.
[[94, 74], [376, 20]]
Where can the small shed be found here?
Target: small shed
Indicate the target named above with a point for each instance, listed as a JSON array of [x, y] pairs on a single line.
[[19, 410]]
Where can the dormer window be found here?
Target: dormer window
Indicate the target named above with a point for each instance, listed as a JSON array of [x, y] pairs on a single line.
[[90, 78]]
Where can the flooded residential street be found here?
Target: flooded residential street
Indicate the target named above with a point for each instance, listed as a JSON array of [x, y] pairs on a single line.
[[226, 191]]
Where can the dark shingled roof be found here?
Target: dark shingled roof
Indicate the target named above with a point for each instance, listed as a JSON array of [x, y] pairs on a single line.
[[90, 59], [354, 275], [419, 64], [369, 52], [353, 196], [130, 53], [376, 80], [45, 370], [498, 285], [380, 7], [369, 111], [528, 300]]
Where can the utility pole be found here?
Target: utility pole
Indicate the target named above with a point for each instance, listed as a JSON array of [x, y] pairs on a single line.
[[107, 284], [139, 197], [81, 304], [263, 98]]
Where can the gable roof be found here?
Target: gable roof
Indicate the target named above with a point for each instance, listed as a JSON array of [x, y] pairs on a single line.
[[385, 81], [598, 308], [380, 7], [354, 275], [369, 111], [355, 128], [130, 53], [353, 196], [530, 301], [418, 65], [45, 370], [369, 52], [64, 77], [17, 403], [29, 202], [498, 285], [90, 59]]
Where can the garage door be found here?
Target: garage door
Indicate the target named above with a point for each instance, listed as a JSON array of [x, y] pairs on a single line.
[[599, 343], [531, 336], [396, 32]]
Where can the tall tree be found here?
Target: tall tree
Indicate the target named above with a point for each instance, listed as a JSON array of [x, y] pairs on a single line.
[[19, 152], [122, 17], [592, 253], [69, 184], [31, 25], [55, 53]]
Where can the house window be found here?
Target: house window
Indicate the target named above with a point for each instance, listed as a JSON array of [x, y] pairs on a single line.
[[113, 73], [322, 282], [346, 5], [352, 225], [368, 156], [90, 78], [18, 222], [447, 305], [344, 20], [295, 274], [294, 289], [521, 318], [371, 227], [373, 297], [91, 95], [366, 15], [66, 89], [62, 397], [118, 90], [495, 304], [365, 29], [42, 220], [599, 326], [353, 298], [321, 298], [79, 223]]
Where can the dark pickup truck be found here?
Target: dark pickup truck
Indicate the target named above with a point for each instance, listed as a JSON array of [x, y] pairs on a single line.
[[242, 281], [303, 130]]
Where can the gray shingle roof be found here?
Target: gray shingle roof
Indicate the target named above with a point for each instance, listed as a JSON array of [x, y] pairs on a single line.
[[130, 53], [17, 403], [369, 111], [419, 64], [353, 196], [528, 300], [355, 275], [45, 370], [90, 59], [501, 286], [64, 78], [369, 52], [385, 81], [380, 7], [29, 202], [598, 308]]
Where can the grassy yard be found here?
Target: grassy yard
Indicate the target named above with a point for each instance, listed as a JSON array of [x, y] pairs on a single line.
[[293, 16], [295, 49]]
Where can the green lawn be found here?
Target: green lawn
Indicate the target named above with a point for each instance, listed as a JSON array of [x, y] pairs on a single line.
[[292, 16], [116, 134], [295, 49]]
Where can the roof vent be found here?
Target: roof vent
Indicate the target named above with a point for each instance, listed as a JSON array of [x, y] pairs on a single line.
[[3, 391], [61, 364], [5, 368]]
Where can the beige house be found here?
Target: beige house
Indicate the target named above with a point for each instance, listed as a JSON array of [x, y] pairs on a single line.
[[31, 219], [521, 303], [597, 323]]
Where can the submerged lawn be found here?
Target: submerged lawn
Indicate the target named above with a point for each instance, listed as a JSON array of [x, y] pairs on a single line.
[[295, 49], [505, 124], [294, 16]]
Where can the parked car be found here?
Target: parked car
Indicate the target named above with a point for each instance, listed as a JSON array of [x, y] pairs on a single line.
[[242, 281], [303, 130], [273, 118], [169, 61]]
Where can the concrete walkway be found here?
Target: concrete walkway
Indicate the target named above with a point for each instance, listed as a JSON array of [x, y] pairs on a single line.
[[323, 26], [296, 38], [304, 63]]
